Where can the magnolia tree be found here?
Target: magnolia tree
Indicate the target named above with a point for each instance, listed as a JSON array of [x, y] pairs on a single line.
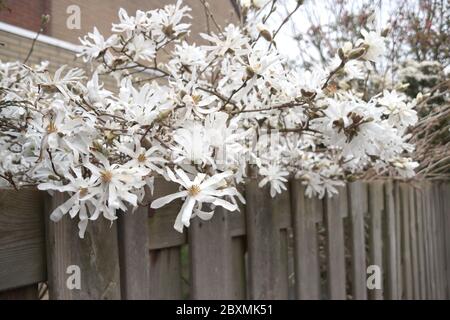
[[201, 116]]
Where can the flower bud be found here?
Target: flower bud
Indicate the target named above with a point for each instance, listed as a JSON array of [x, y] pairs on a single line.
[[357, 53], [341, 54], [250, 72]]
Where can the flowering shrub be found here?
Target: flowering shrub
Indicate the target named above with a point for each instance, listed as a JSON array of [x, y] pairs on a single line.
[[201, 116]]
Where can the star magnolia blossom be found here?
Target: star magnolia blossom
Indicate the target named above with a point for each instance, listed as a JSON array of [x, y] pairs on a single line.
[[202, 119], [200, 190]]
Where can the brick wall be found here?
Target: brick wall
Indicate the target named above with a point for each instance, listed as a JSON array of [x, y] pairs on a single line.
[[101, 13], [25, 13], [92, 13]]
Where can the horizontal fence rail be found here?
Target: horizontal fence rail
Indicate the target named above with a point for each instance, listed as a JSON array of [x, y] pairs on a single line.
[[289, 247]]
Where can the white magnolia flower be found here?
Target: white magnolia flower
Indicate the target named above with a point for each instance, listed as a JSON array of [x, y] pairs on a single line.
[[400, 113], [91, 50], [117, 184], [142, 48], [83, 193], [231, 41], [127, 23], [192, 145], [201, 190], [274, 175], [375, 43], [405, 166]]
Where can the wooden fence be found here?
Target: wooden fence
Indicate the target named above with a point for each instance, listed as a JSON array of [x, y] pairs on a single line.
[[290, 247]]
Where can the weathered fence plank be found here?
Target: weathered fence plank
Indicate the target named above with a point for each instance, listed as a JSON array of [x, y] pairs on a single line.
[[165, 274], [334, 208], [306, 256], [263, 219], [390, 244], [22, 238], [29, 292], [358, 205], [160, 225], [406, 244], [439, 241], [399, 239], [445, 195], [96, 256], [211, 257], [429, 248], [134, 256], [435, 250], [239, 275], [421, 242], [376, 207], [165, 246], [413, 239]]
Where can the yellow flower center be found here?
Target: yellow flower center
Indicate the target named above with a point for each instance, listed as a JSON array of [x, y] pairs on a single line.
[[196, 98], [106, 176], [141, 158], [194, 190], [83, 192], [51, 127]]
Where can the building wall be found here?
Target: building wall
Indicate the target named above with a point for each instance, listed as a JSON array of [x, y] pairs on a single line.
[[100, 13], [25, 13]]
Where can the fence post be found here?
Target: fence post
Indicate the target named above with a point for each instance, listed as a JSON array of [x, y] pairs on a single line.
[[390, 242], [445, 196], [376, 208], [335, 208], [358, 205], [96, 256], [420, 242], [30, 292], [211, 257], [134, 254], [267, 271], [22, 239], [165, 246], [306, 256]]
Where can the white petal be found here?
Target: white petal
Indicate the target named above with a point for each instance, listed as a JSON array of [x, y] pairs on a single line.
[[158, 203]]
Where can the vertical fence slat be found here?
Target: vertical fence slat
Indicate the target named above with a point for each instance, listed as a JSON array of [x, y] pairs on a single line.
[[165, 274], [22, 238], [265, 268], [399, 238], [96, 255], [420, 241], [434, 276], [134, 254], [376, 207], [357, 195], [413, 239], [406, 245], [445, 195], [334, 208], [439, 240], [390, 244], [442, 240], [30, 292], [165, 246], [211, 257], [428, 243], [306, 258], [239, 277]]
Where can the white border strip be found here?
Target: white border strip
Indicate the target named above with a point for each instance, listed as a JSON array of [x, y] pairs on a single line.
[[42, 38]]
